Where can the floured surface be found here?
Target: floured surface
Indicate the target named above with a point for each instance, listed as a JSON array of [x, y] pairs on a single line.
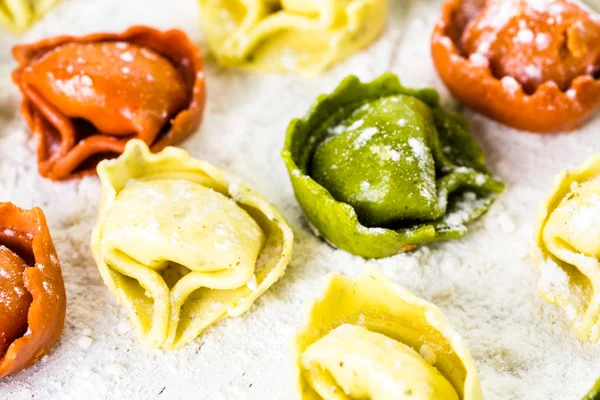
[[485, 283]]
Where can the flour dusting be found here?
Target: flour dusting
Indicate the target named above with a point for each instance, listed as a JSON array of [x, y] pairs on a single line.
[[484, 283]]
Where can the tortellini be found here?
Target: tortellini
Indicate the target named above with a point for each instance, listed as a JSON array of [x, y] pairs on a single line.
[[85, 96], [33, 302], [304, 36], [181, 243], [532, 65], [566, 247], [368, 338], [17, 15], [594, 393], [379, 169]]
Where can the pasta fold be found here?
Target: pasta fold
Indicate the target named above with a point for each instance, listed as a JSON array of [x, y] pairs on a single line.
[[379, 168], [305, 36], [566, 247], [367, 337], [32, 291], [182, 244], [85, 97]]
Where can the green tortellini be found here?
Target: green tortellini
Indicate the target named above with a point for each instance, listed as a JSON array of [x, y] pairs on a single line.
[[379, 169]]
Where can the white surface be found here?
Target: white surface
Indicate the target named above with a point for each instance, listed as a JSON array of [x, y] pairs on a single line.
[[485, 283]]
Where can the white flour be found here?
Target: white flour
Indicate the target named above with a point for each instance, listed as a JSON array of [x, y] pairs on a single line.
[[485, 283]]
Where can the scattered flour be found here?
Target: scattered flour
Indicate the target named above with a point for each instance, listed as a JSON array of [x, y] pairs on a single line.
[[553, 280], [479, 60], [543, 41], [525, 36], [584, 218], [365, 136], [510, 85], [524, 347], [84, 342]]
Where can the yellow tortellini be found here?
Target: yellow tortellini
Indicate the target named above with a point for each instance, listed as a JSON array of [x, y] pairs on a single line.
[[18, 15], [566, 247], [305, 36], [181, 243], [368, 338]]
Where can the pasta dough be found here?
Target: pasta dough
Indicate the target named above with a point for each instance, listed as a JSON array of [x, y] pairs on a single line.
[[290, 35], [368, 338], [532, 65], [16, 16], [32, 292], [182, 244], [380, 169], [566, 247], [594, 393], [85, 97], [15, 300]]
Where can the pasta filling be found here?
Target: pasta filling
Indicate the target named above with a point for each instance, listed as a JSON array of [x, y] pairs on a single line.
[[367, 338], [183, 244], [353, 363]]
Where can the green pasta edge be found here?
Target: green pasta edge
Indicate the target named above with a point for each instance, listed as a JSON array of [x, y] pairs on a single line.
[[337, 222]]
